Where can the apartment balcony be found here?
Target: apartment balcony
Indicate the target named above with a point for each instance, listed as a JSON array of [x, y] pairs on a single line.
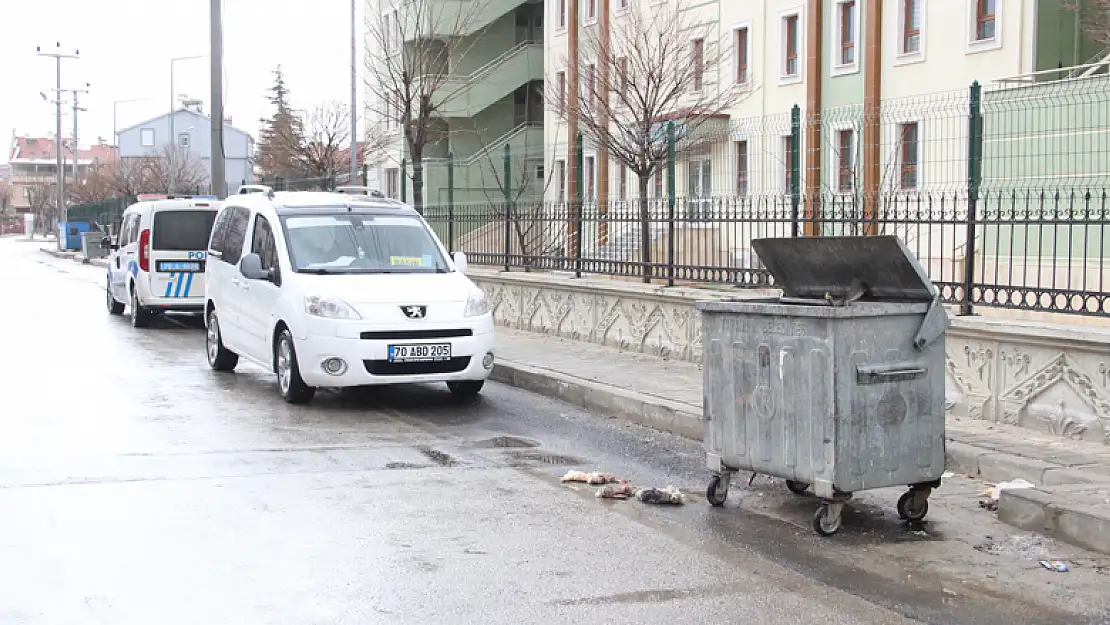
[[467, 95], [478, 176], [451, 18]]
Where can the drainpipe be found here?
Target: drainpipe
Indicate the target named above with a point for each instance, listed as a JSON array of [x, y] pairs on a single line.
[[872, 90], [813, 138]]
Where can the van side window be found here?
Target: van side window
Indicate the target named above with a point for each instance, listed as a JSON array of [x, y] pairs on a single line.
[[263, 244], [219, 231], [236, 235], [132, 228]]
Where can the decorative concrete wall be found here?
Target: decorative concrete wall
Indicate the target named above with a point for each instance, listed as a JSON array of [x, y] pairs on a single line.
[[1047, 377]]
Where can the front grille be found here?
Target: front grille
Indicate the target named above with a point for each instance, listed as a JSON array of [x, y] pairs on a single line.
[[384, 367], [404, 335]]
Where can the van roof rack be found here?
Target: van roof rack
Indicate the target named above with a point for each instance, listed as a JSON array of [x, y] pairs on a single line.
[[360, 190], [256, 188]]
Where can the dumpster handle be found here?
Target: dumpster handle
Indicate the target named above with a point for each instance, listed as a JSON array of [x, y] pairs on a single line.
[[932, 326]]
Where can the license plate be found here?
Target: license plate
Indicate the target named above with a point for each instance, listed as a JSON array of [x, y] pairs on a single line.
[[420, 353], [179, 265]]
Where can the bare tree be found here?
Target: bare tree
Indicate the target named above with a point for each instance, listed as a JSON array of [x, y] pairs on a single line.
[[96, 185], [6, 208], [189, 173], [1094, 18], [42, 199], [410, 73], [319, 140], [659, 65]]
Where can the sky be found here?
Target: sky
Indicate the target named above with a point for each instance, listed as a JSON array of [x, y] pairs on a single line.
[[125, 50]]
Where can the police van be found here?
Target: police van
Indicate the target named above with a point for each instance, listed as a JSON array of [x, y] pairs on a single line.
[[157, 264]]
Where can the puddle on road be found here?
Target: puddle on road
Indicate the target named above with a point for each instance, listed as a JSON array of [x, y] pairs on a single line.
[[438, 457], [544, 458], [507, 442]]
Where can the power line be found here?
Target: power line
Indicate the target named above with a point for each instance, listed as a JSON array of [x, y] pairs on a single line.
[[58, 55]]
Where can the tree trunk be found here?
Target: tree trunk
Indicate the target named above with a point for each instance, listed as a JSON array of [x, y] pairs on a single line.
[[645, 229], [418, 181]]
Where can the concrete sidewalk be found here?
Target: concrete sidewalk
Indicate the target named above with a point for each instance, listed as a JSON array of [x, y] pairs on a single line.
[[1071, 501], [76, 256]]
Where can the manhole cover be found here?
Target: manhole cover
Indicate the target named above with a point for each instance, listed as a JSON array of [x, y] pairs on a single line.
[[508, 442], [544, 458]]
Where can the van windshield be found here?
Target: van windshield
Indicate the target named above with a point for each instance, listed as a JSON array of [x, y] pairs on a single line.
[[353, 243], [182, 230]]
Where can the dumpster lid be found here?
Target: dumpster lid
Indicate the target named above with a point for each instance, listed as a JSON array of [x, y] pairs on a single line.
[[811, 267]]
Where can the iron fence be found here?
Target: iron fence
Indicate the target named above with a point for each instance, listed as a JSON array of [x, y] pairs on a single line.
[[1001, 194]]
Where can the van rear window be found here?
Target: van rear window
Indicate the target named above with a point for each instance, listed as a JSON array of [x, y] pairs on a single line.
[[182, 230]]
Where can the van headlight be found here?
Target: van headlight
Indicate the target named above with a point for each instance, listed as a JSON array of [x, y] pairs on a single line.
[[329, 308], [476, 304]]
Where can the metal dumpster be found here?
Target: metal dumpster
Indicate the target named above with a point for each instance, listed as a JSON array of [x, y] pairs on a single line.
[[836, 385]]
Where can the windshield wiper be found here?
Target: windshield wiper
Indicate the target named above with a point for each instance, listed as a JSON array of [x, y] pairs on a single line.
[[320, 271]]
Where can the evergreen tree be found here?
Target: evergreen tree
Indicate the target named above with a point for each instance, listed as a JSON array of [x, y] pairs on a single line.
[[280, 135]]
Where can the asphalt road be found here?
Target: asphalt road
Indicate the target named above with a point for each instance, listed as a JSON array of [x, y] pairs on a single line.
[[139, 487]]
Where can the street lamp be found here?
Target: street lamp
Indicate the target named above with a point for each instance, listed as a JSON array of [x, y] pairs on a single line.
[[173, 111], [115, 107]]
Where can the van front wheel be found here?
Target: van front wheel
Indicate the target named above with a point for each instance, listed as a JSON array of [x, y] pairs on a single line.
[[140, 316], [292, 386]]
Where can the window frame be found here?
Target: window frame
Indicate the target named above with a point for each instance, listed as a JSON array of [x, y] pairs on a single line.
[[142, 138], [589, 171], [697, 53], [561, 16], [184, 140], [786, 18], [232, 255], [903, 56], [974, 20], [839, 43], [743, 166], [902, 152], [561, 180], [561, 85], [742, 55], [275, 266], [846, 166], [591, 7]]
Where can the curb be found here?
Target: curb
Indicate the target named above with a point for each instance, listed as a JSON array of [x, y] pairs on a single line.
[[1049, 509], [1053, 511], [655, 412], [96, 262]]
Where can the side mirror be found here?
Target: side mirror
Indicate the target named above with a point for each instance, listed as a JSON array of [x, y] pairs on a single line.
[[251, 268], [460, 261]]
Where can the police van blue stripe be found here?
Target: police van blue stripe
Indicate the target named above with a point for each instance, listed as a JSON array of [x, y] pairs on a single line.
[[188, 284], [169, 285], [180, 280]]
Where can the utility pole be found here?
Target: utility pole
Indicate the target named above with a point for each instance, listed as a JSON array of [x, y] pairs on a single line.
[[354, 98], [76, 142], [218, 176], [58, 55]]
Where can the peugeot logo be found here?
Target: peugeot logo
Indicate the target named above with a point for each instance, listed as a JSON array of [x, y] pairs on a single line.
[[414, 312]]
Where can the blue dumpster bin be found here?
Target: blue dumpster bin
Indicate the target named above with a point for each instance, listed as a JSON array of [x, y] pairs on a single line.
[[69, 234]]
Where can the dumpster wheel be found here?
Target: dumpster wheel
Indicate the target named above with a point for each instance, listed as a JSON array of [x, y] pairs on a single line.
[[798, 488], [913, 505], [826, 521], [717, 491]]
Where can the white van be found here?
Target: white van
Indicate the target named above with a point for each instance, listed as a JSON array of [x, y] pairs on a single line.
[[339, 290], [158, 262]]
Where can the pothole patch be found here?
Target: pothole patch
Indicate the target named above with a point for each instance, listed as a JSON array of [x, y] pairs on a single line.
[[545, 458], [507, 442], [440, 458]]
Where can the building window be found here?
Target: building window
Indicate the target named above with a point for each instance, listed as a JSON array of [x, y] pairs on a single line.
[[588, 87], [909, 150], [146, 137], [588, 177], [699, 64], [590, 13], [183, 140], [622, 183], [622, 70], [911, 26], [741, 51], [561, 85], [846, 23], [622, 4], [393, 182], [787, 148], [846, 157], [560, 181], [742, 168], [562, 13], [790, 46], [985, 22]]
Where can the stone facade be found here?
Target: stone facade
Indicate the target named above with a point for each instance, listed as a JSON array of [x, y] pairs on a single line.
[[1050, 378]]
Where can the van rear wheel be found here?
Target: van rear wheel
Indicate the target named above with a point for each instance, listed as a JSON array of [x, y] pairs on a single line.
[[140, 316]]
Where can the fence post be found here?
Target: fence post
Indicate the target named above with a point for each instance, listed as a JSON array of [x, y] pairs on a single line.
[[365, 174], [974, 179], [451, 202], [404, 187], [795, 167], [508, 207], [578, 164], [670, 203]]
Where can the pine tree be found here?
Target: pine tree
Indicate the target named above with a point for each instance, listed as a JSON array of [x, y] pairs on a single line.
[[280, 135]]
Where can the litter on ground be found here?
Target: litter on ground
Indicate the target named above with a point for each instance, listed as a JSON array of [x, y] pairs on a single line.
[[589, 478], [623, 491], [669, 495], [1055, 565], [1010, 485]]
